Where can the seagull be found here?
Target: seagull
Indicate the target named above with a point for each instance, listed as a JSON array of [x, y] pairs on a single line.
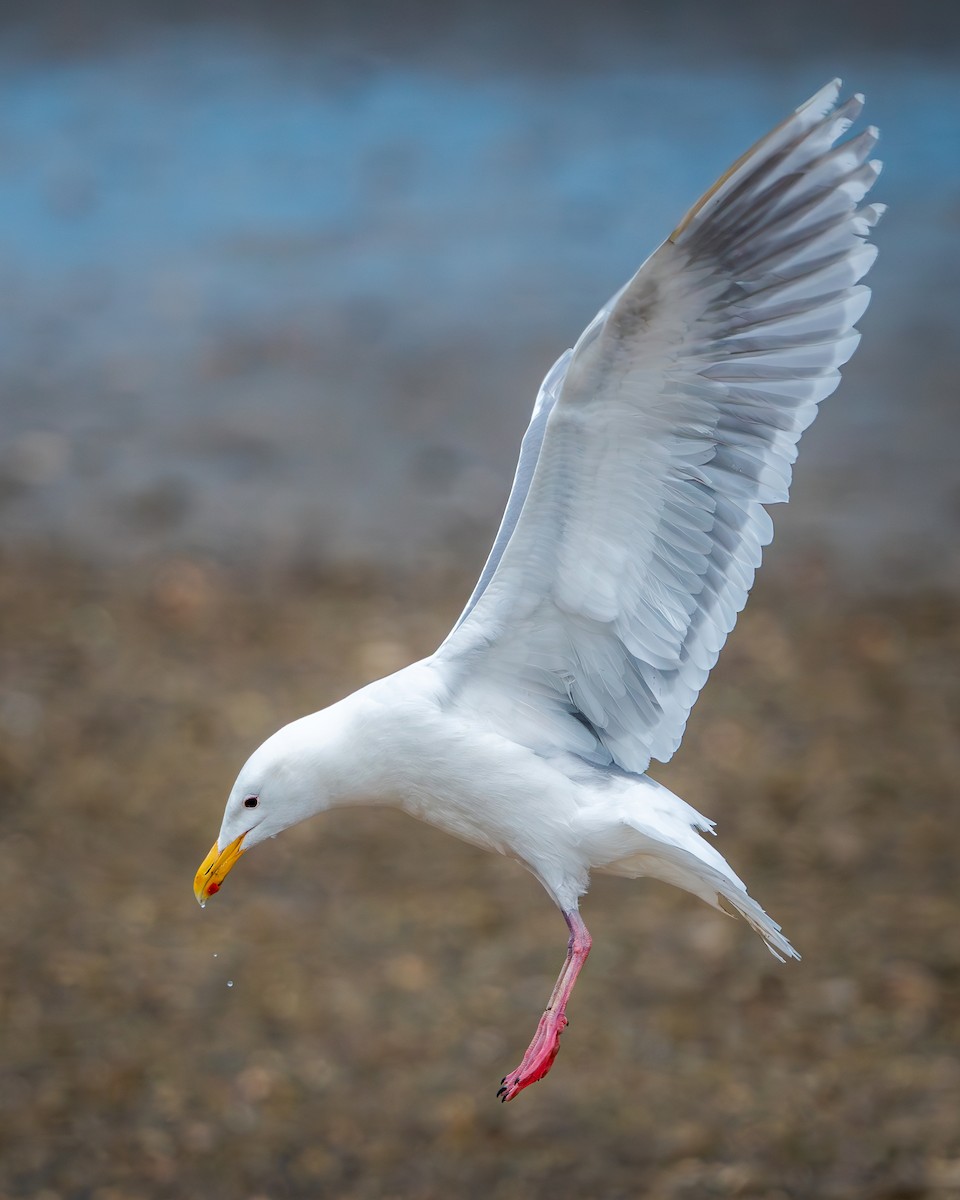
[[630, 540]]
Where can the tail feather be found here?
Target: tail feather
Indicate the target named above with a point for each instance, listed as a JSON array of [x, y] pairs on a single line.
[[671, 864], [778, 945], [665, 843]]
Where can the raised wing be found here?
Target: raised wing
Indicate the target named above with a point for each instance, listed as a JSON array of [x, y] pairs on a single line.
[[529, 453], [635, 525]]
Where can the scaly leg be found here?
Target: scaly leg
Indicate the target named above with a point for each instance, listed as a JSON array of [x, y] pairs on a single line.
[[546, 1041]]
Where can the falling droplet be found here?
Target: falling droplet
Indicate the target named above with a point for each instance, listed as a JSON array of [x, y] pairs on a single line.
[[229, 983], [203, 904], [214, 954]]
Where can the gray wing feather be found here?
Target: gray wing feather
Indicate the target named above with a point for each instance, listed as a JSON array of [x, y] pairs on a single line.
[[636, 522]]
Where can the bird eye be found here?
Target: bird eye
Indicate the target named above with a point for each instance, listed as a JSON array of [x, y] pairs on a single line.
[[251, 802]]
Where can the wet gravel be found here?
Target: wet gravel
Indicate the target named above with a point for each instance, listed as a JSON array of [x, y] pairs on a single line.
[[337, 1021]]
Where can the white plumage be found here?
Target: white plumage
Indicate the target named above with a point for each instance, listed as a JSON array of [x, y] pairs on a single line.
[[629, 543]]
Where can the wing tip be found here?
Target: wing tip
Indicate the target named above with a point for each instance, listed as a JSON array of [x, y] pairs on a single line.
[[824, 99], [803, 120]]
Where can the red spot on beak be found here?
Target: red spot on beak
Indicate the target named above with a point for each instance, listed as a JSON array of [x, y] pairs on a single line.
[[215, 868]]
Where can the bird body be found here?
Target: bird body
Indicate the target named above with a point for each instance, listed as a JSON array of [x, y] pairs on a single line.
[[629, 544], [401, 742]]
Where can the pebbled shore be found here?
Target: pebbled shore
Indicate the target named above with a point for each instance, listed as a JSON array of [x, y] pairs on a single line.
[[383, 976]]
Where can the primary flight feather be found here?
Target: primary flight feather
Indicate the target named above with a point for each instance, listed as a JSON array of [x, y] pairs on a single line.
[[629, 544]]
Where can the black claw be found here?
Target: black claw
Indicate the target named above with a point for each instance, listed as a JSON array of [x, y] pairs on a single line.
[[503, 1080]]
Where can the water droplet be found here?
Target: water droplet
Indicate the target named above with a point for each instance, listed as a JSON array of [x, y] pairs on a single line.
[[229, 983], [203, 904], [214, 955]]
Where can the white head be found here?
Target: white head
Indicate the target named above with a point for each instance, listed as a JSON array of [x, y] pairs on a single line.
[[293, 775]]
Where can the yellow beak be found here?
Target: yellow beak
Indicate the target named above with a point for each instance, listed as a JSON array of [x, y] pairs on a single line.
[[215, 868]]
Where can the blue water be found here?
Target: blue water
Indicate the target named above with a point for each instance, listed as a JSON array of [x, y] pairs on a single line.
[[253, 299]]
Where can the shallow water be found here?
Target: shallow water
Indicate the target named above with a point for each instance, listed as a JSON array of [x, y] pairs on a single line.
[[263, 302]]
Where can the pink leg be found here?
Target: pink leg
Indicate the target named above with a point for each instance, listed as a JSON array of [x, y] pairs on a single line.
[[546, 1041]]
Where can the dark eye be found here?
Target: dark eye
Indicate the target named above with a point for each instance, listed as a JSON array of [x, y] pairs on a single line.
[[251, 802]]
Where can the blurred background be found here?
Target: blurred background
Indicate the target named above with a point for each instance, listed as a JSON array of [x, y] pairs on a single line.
[[278, 284]]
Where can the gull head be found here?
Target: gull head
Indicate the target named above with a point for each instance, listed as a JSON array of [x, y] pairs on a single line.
[[286, 780]]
